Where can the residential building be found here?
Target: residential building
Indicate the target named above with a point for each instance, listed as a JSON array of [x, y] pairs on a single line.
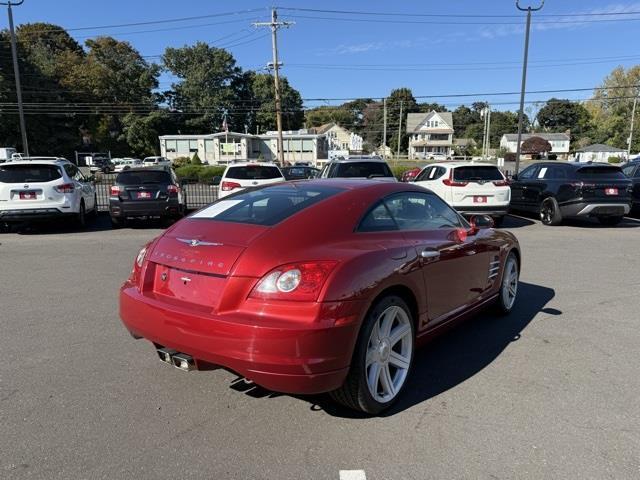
[[339, 138], [599, 153], [430, 133], [559, 142], [463, 145], [225, 147]]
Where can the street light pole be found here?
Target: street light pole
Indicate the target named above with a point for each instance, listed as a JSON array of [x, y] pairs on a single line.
[[524, 77], [633, 118], [16, 73]]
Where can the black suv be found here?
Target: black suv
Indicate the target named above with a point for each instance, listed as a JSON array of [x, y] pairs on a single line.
[[149, 192], [358, 166], [299, 172], [558, 190], [632, 170]]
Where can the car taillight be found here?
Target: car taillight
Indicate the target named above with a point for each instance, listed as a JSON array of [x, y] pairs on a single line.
[[65, 188], [137, 265], [501, 183], [450, 182], [226, 186], [172, 189], [299, 282], [114, 190]]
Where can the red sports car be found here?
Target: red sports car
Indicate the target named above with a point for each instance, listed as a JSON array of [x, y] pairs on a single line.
[[317, 286]]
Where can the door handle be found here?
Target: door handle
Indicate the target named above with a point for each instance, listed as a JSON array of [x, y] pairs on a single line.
[[429, 254]]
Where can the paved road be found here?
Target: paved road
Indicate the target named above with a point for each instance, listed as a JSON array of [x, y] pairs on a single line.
[[549, 392]]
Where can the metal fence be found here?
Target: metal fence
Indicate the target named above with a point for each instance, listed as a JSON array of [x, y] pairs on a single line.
[[197, 194]]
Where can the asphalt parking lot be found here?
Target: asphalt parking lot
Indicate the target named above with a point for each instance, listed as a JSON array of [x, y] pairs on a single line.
[[549, 392]]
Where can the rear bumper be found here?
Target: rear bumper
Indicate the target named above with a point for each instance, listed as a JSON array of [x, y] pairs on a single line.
[[595, 209], [33, 214], [292, 357], [150, 208], [493, 210]]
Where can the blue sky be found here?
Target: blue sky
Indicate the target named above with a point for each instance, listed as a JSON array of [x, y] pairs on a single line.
[[443, 55]]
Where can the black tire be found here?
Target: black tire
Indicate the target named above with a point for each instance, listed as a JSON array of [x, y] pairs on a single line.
[[354, 392], [504, 303], [94, 212], [550, 212], [81, 216], [610, 221], [117, 222]]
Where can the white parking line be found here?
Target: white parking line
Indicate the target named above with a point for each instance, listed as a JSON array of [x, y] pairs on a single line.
[[352, 475]]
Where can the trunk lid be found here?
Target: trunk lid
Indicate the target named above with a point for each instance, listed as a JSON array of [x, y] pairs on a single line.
[[29, 185], [603, 183], [204, 245]]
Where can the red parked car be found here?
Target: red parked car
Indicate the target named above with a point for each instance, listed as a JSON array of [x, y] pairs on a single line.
[[410, 175], [317, 286]]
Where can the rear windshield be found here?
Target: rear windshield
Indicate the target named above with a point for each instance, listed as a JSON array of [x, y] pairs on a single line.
[[362, 170], [471, 173], [596, 173], [266, 206], [253, 172], [143, 177], [29, 173]]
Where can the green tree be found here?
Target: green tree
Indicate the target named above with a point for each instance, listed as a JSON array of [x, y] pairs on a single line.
[[397, 97], [209, 84], [559, 115], [261, 99]]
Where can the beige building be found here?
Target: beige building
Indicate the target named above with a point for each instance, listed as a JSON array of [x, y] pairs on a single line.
[[430, 134], [222, 148]]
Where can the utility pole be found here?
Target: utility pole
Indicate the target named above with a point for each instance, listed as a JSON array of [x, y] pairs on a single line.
[[633, 118], [384, 131], [488, 130], [16, 73], [274, 24], [399, 131], [524, 77]]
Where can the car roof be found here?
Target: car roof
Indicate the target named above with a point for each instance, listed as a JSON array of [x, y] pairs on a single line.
[[250, 164], [39, 161], [358, 158], [146, 169], [576, 165], [460, 164]]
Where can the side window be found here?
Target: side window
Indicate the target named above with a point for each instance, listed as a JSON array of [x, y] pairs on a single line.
[[554, 172], [628, 170], [440, 171], [421, 211], [528, 173], [424, 174], [637, 175], [377, 220], [71, 170]]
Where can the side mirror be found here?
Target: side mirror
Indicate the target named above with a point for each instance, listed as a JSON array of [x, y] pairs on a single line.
[[216, 180], [480, 222], [91, 178]]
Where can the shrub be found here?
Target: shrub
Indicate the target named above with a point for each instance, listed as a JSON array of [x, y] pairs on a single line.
[[181, 162], [614, 159], [206, 174], [188, 172], [510, 157], [535, 145], [195, 160], [552, 156]]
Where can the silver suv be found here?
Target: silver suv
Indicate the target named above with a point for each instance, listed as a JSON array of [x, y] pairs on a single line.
[[358, 166]]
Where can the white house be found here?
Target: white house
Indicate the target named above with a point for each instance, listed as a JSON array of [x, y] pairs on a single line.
[[340, 138], [559, 142], [222, 148], [599, 153], [430, 133]]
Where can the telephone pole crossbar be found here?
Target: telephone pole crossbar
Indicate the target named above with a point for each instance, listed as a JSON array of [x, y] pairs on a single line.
[[275, 25]]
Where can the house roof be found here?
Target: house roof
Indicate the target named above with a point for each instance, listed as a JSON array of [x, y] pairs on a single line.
[[414, 120], [323, 128], [512, 137], [599, 147]]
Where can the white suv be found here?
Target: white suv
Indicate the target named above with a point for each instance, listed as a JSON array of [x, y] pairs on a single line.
[[44, 189], [155, 162], [470, 188], [241, 175]]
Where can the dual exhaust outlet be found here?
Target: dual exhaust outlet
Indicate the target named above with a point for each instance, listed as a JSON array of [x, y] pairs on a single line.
[[179, 360]]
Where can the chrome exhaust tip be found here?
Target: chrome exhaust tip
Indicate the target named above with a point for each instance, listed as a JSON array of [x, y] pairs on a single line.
[[165, 354], [183, 362]]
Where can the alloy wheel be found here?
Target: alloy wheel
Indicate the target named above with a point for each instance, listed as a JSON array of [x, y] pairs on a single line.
[[389, 354], [510, 283], [546, 212]]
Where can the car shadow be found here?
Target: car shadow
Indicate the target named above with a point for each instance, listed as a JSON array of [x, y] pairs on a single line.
[[100, 223], [515, 221], [459, 354]]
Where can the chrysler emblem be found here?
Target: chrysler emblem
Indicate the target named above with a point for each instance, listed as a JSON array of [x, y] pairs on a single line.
[[194, 242], [25, 186], [163, 276]]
